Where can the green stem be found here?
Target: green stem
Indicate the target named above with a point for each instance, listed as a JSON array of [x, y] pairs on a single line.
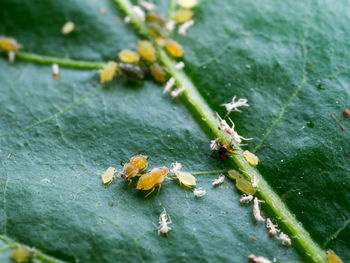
[[203, 113], [41, 59], [172, 7], [38, 254]]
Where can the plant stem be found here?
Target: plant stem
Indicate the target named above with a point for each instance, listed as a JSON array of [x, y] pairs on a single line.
[[41, 59], [38, 254], [203, 113]]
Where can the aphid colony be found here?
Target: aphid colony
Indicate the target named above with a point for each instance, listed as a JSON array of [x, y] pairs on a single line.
[[249, 189], [136, 167]]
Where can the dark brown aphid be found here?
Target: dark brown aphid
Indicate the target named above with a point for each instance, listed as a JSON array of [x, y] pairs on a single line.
[[346, 113], [132, 72], [226, 148], [158, 73]]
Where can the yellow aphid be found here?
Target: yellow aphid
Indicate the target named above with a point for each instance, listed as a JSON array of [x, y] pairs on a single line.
[[68, 28], [158, 73], [242, 184], [128, 56], [332, 257], [108, 175], [146, 50], [187, 3], [186, 178], [151, 179], [174, 48], [8, 44], [183, 15], [135, 166], [108, 72], [21, 254], [160, 41], [251, 158]]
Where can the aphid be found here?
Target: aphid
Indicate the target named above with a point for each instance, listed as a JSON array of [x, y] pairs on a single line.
[[233, 105], [155, 18], [226, 149], [184, 27], [55, 72], [256, 210], [187, 3], [285, 239], [164, 221], [199, 192], [135, 166], [255, 182], [108, 175], [146, 50], [180, 65], [22, 254], [156, 30], [251, 158], [152, 179], [147, 5], [103, 11], [346, 113], [218, 180], [108, 72], [158, 73], [183, 15], [230, 130], [271, 227], [174, 48], [170, 25], [160, 41], [175, 167], [245, 199], [8, 44], [332, 257], [177, 92], [214, 145], [139, 12], [169, 85], [132, 72], [242, 184], [254, 259], [128, 56], [67, 28], [186, 178]]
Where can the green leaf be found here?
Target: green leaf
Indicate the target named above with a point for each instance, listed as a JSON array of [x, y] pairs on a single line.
[[57, 137]]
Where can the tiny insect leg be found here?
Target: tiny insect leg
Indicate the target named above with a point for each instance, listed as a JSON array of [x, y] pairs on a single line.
[[159, 189], [150, 192]]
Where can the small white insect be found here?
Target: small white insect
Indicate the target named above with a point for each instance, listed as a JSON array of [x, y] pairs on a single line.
[[170, 25], [164, 221], [147, 5], [180, 65], [12, 56], [218, 180], [68, 28], [127, 19], [285, 239], [182, 30], [175, 167], [214, 145], [245, 199], [55, 70], [230, 130], [255, 182], [255, 259], [233, 105], [176, 93], [169, 85], [199, 192], [256, 210], [271, 227], [139, 12]]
